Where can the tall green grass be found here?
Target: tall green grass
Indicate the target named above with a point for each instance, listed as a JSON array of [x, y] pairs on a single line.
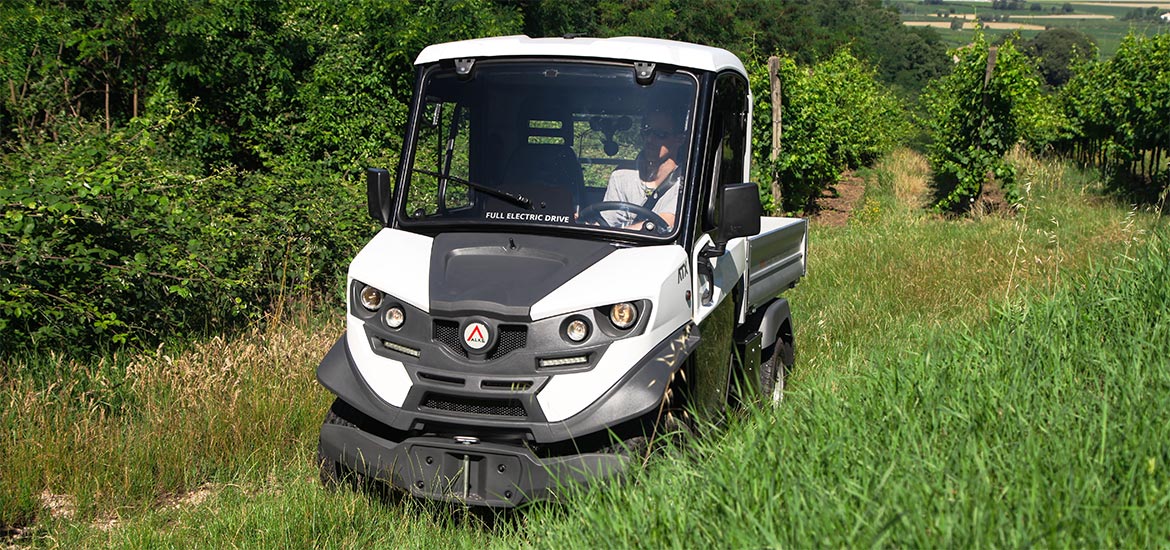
[[1048, 424], [997, 380]]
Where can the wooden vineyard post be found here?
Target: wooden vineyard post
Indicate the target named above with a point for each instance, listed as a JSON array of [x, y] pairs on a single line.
[[777, 127]]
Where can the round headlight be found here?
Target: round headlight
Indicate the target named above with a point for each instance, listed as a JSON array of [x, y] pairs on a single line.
[[371, 298], [577, 330], [623, 315], [394, 317]]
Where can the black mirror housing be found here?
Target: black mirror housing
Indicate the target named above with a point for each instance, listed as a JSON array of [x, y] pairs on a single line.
[[740, 212], [378, 195]]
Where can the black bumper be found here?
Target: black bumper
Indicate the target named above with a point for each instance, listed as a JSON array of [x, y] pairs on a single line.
[[394, 444], [477, 474]]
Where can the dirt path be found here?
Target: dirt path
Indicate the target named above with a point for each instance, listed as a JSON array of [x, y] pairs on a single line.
[[838, 202]]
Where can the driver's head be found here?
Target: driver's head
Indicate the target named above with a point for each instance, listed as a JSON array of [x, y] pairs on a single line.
[[662, 136]]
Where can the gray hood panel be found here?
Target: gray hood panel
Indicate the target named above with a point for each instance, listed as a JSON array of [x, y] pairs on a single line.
[[504, 274]]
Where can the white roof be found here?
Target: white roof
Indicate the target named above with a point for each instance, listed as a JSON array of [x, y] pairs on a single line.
[[623, 48]]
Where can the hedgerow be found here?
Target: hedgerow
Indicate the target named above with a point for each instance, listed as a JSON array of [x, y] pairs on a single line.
[[110, 237], [975, 115], [1117, 111], [836, 116]]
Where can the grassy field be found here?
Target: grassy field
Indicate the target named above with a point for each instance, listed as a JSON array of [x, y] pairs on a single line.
[[1101, 20], [981, 381]]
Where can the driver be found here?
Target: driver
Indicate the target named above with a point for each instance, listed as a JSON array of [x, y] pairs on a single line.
[[655, 182]]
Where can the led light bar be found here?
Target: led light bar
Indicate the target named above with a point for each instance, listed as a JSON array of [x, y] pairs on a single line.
[[564, 361], [400, 348]]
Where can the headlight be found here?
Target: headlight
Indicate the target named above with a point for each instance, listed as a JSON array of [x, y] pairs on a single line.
[[394, 317], [371, 298], [577, 330], [623, 315]]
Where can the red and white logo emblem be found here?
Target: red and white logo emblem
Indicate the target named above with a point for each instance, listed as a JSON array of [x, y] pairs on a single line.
[[475, 335]]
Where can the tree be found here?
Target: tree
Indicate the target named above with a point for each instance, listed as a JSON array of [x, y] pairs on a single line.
[[806, 30], [1056, 50]]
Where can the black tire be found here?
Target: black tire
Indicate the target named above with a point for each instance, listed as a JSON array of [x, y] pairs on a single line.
[[774, 372], [333, 474]]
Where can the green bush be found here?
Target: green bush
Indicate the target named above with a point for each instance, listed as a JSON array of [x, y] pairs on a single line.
[[1117, 110], [109, 237], [975, 119], [836, 116], [111, 234]]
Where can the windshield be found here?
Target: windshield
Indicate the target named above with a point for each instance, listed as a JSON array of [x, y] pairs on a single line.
[[577, 145]]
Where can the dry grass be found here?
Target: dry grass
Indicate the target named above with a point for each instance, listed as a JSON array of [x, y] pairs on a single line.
[[910, 177], [164, 423]]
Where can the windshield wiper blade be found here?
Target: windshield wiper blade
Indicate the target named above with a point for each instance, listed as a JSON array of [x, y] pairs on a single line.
[[518, 200]]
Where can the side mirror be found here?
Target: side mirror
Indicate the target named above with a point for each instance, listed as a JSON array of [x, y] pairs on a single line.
[[739, 215], [378, 195], [741, 211]]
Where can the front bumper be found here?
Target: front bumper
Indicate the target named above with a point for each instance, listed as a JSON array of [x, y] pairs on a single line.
[[477, 474], [517, 460]]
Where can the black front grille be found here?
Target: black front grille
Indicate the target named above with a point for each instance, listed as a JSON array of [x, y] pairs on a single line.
[[511, 338], [447, 333], [471, 405]]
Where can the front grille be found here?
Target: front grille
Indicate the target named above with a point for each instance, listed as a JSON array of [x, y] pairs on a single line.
[[511, 338], [447, 333], [471, 405]]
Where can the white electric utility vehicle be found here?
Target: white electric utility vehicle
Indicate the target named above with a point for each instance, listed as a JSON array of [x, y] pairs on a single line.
[[569, 249]]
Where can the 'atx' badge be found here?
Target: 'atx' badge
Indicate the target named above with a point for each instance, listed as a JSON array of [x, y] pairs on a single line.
[[475, 335]]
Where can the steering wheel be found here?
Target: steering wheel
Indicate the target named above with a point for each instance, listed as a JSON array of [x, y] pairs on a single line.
[[592, 213]]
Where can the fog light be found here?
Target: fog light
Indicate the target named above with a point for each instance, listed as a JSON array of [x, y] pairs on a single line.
[[623, 315], [577, 330], [394, 317], [371, 298], [563, 361], [401, 348]]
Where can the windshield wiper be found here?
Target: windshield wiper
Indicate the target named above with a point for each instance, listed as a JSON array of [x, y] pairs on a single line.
[[518, 200]]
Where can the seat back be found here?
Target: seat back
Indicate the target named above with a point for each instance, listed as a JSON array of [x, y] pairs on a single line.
[[547, 173]]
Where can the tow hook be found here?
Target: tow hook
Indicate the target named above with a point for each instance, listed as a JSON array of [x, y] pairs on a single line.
[[466, 440]]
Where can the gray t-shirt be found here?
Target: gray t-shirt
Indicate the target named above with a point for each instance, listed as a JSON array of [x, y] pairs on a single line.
[[626, 186]]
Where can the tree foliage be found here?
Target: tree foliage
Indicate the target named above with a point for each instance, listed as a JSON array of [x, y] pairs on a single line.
[[1058, 50], [836, 116], [171, 167], [976, 114], [1117, 113], [805, 30]]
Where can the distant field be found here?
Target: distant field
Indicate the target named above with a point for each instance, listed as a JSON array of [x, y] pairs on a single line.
[[1058, 17], [1101, 20], [971, 26], [1163, 5]]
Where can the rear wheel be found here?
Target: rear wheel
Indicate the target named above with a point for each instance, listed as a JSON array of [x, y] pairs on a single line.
[[775, 370]]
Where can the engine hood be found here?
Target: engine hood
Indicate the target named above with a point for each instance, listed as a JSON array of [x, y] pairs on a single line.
[[516, 276], [504, 274]]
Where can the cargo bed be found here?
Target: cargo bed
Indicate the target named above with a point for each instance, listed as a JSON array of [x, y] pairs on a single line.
[[776, 258]]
